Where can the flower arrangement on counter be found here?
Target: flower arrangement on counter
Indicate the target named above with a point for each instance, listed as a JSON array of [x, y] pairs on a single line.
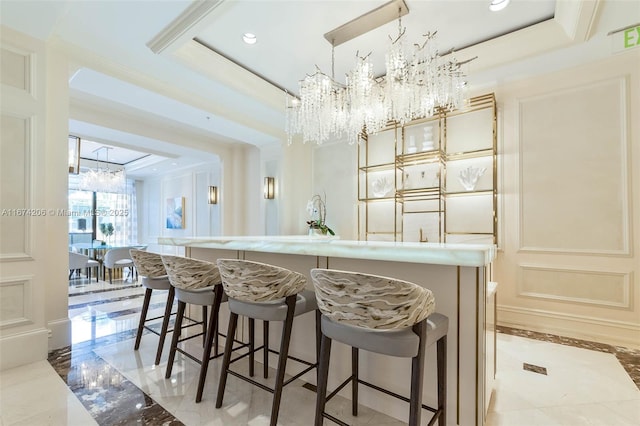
[[317, 209]]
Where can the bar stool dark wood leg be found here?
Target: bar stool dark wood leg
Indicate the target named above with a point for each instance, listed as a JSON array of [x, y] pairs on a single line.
[[265, 354], [355, 367], [442, 380], [318, 341], [323, 377], [143, 317], [216, 343], [226, 359], [174, 339], [204, 326], [252, 346], [282, 359], [206, 354], [417, 371], [165, 323]]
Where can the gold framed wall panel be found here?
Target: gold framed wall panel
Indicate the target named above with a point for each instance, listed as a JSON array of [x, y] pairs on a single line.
[[574, 172]]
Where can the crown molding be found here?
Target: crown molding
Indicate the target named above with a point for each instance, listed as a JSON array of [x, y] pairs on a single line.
[[184, 27]]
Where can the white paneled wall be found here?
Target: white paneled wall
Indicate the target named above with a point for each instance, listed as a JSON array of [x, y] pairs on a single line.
[[570, 254], [33, 174], [200, 217]]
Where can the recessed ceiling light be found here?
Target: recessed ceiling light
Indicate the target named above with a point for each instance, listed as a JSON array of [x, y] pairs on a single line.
[[497, 5], [249, 38], [174, 164]]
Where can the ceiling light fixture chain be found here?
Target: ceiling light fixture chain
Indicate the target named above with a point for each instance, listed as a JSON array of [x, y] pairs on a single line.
[[418, 83]]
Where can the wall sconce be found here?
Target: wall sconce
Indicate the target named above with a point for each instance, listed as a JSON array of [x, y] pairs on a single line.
[[269, 188], [213, 195], [74, 155]]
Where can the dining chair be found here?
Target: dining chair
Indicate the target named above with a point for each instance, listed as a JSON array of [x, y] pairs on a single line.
[[79, 261], [118, 258]]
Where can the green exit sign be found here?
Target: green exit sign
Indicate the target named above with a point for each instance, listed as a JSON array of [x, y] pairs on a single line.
[[626, 38], [631, 37]]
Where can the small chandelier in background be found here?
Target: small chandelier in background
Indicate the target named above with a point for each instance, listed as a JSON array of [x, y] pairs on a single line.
[[418, 82], [103, 179]]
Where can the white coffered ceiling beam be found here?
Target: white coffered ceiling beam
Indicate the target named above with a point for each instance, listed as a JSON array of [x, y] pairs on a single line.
[[572, 23], [185, 27]]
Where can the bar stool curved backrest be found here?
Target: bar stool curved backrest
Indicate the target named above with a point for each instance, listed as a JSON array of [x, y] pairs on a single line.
[[196, 282], [256, 282], [371, 301], [268, 293], [153, 276], [382, 315]]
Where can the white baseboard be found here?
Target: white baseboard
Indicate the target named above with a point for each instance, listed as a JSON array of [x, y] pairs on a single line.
[[23, 348], [617, 333], [60, 333]]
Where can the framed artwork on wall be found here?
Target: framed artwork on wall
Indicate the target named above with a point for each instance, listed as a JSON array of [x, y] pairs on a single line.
[[175, 213]]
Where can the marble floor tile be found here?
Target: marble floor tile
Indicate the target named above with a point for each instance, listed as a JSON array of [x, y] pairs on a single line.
[[34, 394], [100, 379], [582, 386]]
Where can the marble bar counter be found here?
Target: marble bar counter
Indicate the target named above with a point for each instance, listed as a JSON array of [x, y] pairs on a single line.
[[459, 275], [434, 253]]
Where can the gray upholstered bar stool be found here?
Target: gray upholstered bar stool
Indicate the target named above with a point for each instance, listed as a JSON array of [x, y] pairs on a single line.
[[153, 276], [196, 282], [268, 293], [385, 316]]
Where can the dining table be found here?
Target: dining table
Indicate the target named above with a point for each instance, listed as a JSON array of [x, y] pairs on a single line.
[[96, 250]]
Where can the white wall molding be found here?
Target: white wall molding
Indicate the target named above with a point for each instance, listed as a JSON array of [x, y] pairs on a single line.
[[59, 333], [617, 333], [16, 301], [23, 348], [20, 168], [537, 222], [17, 79], [609, 289], [184, 27]]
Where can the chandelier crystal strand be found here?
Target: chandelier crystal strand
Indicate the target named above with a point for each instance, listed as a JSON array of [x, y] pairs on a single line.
[[417, 84], [103, 180], [364, 95]]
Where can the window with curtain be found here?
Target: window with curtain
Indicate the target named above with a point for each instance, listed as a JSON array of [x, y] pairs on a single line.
[[111, 217]]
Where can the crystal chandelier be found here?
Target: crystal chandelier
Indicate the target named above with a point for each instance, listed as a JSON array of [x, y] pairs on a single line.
[[103, 179], [418, 83]]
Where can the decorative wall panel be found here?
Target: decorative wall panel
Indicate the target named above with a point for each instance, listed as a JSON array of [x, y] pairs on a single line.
[[14, 187], [594, 287], [15, 302], [574, 170], [15, 69]]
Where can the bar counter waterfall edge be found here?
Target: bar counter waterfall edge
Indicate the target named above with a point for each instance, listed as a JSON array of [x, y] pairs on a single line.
[[459, 275]]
